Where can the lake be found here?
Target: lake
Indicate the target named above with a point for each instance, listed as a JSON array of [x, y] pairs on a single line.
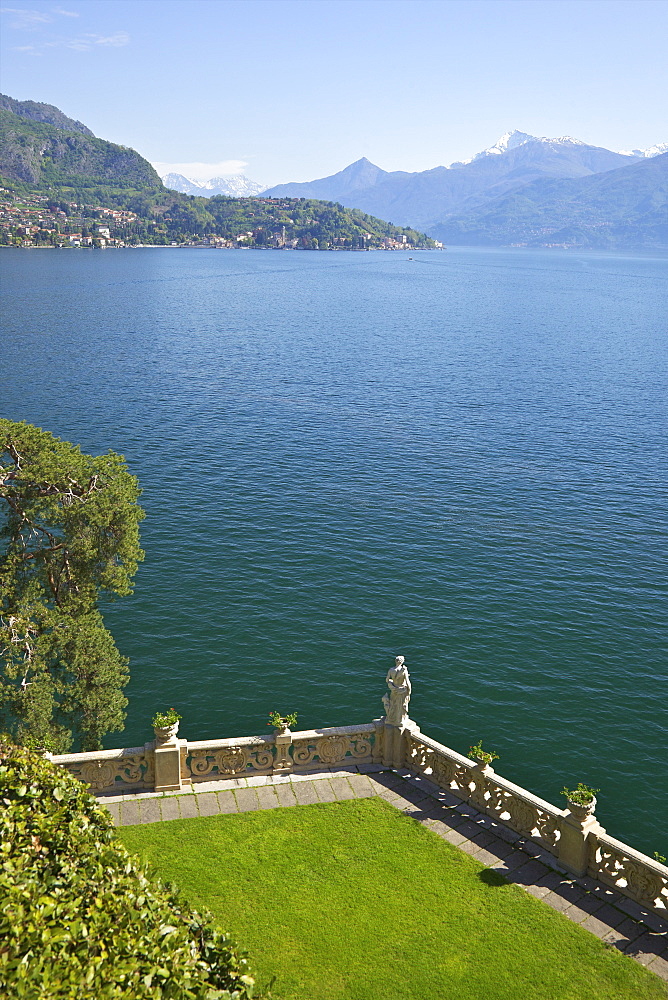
[[459, 456]]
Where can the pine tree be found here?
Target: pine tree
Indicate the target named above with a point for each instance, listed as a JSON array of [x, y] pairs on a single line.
[[69, 534]]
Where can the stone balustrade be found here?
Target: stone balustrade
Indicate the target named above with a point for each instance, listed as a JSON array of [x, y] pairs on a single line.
[[130, 769], [629, 872], [573, 836]]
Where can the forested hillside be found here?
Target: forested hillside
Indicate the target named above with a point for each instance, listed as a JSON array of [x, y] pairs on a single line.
[[57, 182]]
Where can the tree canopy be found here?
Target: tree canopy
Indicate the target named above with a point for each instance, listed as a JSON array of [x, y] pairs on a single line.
[[69, 534]]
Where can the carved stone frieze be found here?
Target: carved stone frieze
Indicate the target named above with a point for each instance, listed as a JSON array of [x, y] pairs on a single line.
[[98, 774], [107, 772], [231, 761], [334, 748]]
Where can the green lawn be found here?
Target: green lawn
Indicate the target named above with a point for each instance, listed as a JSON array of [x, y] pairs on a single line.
[[355, 901]]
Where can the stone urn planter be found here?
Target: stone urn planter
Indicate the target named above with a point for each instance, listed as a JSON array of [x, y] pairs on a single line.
[[166, 726], [483, 766], [165, 734], [581, 802], [482, 759], [580, 811], [282, 723]]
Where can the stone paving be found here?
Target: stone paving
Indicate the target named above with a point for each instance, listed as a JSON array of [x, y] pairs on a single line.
[[618, 921]]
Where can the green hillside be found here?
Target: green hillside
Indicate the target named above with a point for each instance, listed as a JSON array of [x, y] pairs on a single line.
[[47, 156], [45, 169], [46, 113]]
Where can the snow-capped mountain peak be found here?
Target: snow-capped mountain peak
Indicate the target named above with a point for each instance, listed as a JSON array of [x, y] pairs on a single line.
[[656, 150], [511, 140], [232, 185]]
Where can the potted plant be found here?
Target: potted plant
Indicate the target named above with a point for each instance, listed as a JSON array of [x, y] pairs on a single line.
[[581, 800], [282, 723], [166, 725], [480, 755]]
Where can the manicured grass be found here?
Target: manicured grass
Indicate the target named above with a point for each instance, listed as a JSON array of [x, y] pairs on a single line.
[[355, 901]]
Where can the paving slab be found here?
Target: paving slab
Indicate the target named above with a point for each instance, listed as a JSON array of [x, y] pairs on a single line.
[[189, 808], [623, 933], [455, 838], [576, 913], [115, 811], [498, 848], [598, 927], [130, 813], [341, 788], [529, 873], [208, 804], [484, 856], [170, 807], [247, 799], [659, 967], [305, 793], [510, 864], [267, 797], [227, 802], [149, 811], [470, 848], [361, 786], [646, 948], [540, 892], [285, 793], [609, 915], [388, 779], [324, 791]]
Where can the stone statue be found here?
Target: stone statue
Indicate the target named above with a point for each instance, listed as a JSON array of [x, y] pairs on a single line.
[[396, 702]]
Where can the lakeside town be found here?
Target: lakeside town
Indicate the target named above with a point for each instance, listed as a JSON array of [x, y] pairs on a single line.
[[41, 221]]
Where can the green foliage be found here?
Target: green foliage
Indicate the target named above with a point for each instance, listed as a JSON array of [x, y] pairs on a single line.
[[69, 533], [79, 917], [476, 752], [583, 795], [280, 721], [163, 719]]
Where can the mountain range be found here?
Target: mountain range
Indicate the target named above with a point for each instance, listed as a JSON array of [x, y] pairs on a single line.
[[231, 185], [523, 189]]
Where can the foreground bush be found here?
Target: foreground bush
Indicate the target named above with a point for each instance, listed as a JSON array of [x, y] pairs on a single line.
[[79, 917]]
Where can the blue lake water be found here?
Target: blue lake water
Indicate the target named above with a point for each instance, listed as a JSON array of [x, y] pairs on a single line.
[[345, 456]]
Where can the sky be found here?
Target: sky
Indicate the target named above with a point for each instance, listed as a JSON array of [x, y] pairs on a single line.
[[289, 91]]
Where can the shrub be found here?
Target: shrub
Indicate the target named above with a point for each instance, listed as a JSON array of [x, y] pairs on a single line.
[[79, 916]]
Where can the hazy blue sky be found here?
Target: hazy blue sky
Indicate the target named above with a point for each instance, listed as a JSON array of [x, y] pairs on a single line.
[[296, 90]]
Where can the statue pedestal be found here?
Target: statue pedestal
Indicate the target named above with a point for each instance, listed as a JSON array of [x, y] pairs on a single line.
[[394, 742]]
